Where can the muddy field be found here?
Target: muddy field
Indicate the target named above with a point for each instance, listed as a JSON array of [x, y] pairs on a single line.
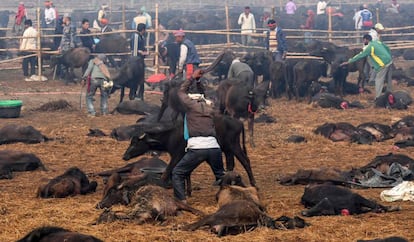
[[21, 211]]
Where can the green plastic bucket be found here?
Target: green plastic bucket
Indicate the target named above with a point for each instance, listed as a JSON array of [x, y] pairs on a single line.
[[10, 108]]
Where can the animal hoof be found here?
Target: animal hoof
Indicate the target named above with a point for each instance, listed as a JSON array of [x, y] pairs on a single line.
[[305, 213]]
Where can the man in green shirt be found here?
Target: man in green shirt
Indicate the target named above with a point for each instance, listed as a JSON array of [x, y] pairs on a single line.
[[380, 56]]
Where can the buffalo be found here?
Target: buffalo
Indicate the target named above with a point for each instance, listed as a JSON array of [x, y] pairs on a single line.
[[26, 134], [148, 204], [394, 100], [73, 58], [169, 137], [132, 76], [136, 107], [344, 132], [113, 43], [11, 161], [304, 73], [240, 101], [327, 199], [329, 100], [71, 183], [50, 234]]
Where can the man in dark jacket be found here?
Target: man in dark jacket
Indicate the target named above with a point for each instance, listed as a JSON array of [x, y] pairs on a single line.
[[200, 134], [138, 41], [189, 59], [276, 41], [87, 41]]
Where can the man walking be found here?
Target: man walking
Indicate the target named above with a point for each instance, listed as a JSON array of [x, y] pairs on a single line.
[[248, 26], [380, 57], [28, 43], [95, 77]]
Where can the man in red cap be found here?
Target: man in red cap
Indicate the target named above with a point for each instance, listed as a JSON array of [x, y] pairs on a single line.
[[276, 41], [21, 16], [189, 59], [105, 28]]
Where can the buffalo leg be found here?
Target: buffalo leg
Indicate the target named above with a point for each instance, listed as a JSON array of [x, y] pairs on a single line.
[[185, 207], [207, 220], [244, 160], [365, 203], [250, 124], [122, 94], [229, 160], [324, 207]]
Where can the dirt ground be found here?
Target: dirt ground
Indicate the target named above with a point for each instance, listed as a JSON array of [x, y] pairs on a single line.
[[21, 211]]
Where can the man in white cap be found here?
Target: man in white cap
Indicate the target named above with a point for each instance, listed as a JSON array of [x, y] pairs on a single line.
[[97, 76], [375, 31], [101, 15], [189, 59]]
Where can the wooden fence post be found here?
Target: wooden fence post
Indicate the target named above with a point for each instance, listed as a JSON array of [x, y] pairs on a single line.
[[329, 10], [123, 20], [378, 15], [227, 25], [39, 45], [156, 40]]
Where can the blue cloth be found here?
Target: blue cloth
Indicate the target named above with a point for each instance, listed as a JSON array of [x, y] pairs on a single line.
[[186, 133], [192, 55]]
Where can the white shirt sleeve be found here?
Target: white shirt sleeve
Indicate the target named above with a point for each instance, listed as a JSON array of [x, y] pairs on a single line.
[[183, 56], [240, 22]]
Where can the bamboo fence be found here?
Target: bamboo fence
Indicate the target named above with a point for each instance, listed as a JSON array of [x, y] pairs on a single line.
[[329, 35]]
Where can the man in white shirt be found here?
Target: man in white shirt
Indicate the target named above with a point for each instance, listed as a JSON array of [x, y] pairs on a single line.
[[358, 19], [248, 26], [49, 15], [28, 43], [189, 59], [321, 18]]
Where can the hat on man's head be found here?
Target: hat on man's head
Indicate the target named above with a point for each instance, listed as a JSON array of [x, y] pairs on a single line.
[[271, 23], [247, 7], [104, 6], [143, 9], [379, 26], [179, 32]]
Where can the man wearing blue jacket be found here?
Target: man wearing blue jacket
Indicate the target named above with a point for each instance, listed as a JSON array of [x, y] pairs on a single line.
[[276, 41]]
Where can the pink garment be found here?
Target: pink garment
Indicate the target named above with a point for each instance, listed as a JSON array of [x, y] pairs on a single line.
[[290, 7], [21, 13]]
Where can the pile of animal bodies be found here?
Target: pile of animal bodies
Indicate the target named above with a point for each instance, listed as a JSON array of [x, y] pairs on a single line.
[[366, 133], [240, 207]]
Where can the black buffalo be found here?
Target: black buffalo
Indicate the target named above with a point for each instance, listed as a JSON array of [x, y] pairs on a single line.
[[113, 44], [26, 134], [169, 137], [328, 199], [52, 234], [259, 61], [394, 100], [11, 161], [71, 183], [240, 101], [136, 107], [132, 76], [304, 73]]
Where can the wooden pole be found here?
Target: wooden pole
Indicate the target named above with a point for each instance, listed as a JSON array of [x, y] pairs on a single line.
[[329, 9], [273, 16], [123, 19], [281, 6], [110, 10], [227, 25], [157, 32], [378, 15], [39, 45]]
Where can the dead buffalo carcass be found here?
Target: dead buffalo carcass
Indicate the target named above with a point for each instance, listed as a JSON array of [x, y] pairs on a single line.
[[148, 204], [26, 134], [132, 76], [136, 107], [329, 199], [71, 183], [11, 161], [73, 58], [345, 132], [49, 234]]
